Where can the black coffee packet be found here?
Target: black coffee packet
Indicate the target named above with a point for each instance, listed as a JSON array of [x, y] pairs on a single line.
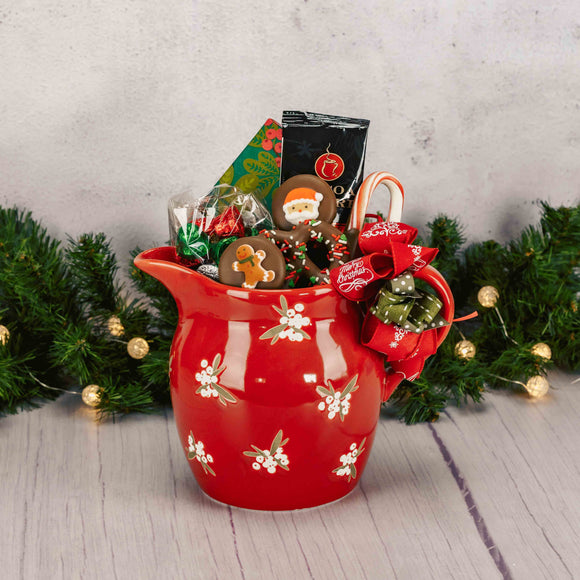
[[328, 146]]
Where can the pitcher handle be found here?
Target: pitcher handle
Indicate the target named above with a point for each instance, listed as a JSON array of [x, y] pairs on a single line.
[[434, 278], [365, 192]]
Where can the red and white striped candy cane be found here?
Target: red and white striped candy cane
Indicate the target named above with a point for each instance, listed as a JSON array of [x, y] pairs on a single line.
[[363, 196]]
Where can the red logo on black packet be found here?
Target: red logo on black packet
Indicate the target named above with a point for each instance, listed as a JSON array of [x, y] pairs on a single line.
[[329, 166]]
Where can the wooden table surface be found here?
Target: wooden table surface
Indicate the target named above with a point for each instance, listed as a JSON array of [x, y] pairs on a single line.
[[489, 491]]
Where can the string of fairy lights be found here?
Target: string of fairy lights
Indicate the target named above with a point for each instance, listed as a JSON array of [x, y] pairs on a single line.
[[4, 335], [537, 386], [137, 348]]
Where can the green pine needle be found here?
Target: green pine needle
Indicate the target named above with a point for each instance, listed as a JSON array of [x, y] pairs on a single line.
[[56, 304]]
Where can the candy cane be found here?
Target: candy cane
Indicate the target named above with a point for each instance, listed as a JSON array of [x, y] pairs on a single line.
[[361, 202]]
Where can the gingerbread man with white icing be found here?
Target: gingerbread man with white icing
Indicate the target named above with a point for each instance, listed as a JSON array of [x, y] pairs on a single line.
[[250, 263]]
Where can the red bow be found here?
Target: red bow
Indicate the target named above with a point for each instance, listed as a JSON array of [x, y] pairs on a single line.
[[387, 253]]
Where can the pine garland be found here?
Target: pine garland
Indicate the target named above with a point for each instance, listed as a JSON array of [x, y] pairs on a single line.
[[538, 280], [58, 304]]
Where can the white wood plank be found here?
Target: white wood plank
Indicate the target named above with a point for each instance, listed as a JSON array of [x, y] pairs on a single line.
[[342, 540], [99, 501], [521, 460], [88, 500], [406, 520]]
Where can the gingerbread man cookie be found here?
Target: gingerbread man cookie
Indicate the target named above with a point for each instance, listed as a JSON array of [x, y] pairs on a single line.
[[252, 263]]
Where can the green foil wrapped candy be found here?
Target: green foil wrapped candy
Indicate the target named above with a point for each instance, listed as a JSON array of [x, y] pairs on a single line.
[[217, 248], [192, 243]]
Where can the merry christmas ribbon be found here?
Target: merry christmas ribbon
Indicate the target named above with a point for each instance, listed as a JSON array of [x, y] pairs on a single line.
[[402, 320]]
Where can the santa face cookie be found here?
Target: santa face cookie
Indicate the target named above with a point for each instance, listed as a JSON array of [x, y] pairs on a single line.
[[303, 198], [252, 263]]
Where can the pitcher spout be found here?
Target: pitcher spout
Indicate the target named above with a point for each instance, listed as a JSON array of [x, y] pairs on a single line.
[[162, 264]]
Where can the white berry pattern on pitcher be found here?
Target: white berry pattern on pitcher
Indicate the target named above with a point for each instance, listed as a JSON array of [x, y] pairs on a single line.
[[195, 450], [270, 459], [348, 461], [336, 402], [208, 378], [291, 323]]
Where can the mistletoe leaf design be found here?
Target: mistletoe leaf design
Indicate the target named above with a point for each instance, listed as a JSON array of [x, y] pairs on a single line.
[[352, 471], [209, 386], [284, 303], [351, 387], [323, 392], [225, 394], [273, 332], [290, 322], [361, 447], [270, 460], [202, 457], [348, 460], [276, 442], [304, 334], [206, 467]]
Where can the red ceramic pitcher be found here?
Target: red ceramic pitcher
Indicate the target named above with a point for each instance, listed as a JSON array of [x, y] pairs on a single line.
[[275, 399]]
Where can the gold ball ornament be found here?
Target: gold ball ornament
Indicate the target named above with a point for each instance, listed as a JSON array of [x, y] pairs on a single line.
[[115, 326], [542, 350], [91, 395], [488, 296], [138, 348], [537, 386], [4, 334], [465, 349]]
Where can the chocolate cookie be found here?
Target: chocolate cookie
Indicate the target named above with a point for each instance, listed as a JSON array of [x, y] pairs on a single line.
[[301, 198], [252, 262]]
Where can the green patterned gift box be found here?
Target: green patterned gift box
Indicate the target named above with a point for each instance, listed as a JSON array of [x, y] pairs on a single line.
[[257, 168]]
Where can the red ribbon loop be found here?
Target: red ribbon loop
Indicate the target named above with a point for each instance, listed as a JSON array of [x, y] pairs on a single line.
[[388, 253], [395, 342], [360, 279], [378, 236]]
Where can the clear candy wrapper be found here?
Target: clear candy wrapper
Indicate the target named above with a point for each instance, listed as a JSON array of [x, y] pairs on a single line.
[[202, 228]]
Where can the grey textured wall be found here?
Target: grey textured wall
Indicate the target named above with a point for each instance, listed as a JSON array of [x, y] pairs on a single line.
[[108, 108]]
